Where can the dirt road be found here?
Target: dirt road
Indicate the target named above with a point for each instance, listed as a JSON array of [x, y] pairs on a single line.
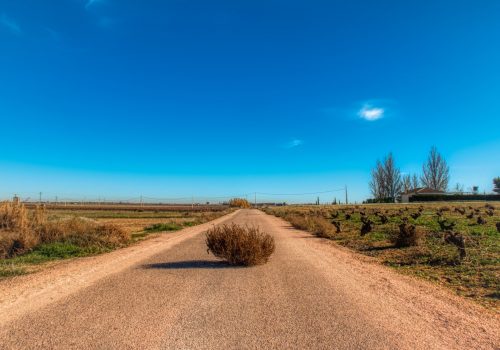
[[168, 293]]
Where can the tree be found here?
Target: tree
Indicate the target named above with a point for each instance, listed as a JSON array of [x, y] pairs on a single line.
[[436, 173], [377, 185], [392, 177], [409, 182], [386, 180], [496, 185], [459, 188], [415, 183]]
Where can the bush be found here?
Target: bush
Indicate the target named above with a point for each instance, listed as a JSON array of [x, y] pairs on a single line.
[[454, 197], [407, 236], [239, 203], [321, 227], [240, 245], [298, 221]]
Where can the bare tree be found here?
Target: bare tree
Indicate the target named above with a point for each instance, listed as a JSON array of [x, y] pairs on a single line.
[[392, 177], [386, 179], [415, 183], [459, 188], [406, 183], [377, 185], [409, 182], [436, 172]]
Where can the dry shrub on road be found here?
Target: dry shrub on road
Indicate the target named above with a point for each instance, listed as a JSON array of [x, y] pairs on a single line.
[[240, 245]]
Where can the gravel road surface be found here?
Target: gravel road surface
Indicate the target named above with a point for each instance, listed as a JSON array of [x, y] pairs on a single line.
[[168, 293]]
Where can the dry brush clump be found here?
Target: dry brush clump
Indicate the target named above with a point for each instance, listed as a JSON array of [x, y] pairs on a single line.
[[239, 203], [240, 245], [367, 225], [458, 241], [408, 235], [21, 231]]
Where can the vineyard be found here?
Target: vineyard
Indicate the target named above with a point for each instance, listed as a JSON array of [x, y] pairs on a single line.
[[456, 245]]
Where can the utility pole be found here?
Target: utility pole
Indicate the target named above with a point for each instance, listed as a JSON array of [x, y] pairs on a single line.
[[346, 200], [255, 199], [141, 201], [40, 197], [192, 202]]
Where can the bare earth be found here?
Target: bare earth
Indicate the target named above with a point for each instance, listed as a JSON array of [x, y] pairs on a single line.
[[168, 293]]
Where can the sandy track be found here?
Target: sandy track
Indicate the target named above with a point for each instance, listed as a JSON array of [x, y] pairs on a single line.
[[169, 294]]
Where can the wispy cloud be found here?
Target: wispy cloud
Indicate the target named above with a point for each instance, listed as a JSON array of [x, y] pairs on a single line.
[[371, 113], [10, 24], [293, 143]]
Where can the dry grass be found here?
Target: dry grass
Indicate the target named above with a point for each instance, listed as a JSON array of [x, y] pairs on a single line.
[[22, 231], [240, 245]]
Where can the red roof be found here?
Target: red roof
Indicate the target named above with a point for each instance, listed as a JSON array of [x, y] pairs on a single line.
[[423, 190]]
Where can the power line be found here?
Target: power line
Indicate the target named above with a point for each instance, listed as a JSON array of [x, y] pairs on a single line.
[[301, 194]]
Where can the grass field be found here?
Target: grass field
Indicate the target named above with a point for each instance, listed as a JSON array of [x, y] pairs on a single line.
[[134, 222], [433, 250]]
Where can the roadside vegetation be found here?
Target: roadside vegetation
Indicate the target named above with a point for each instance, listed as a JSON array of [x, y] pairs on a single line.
[[240, 245], [30, 237], [453, 244]]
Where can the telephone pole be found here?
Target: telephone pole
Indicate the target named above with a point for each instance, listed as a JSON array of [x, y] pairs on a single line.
[[255, 199], [346, 199], [40, 197]]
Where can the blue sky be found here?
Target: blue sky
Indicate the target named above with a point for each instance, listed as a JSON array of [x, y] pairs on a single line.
[[114, 99]]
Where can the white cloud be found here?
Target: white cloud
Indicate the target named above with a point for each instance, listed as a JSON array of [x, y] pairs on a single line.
[[371, 113], [293, 143], [10, 24]]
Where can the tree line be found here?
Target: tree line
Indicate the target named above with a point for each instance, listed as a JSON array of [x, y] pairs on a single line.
[[387, 181]]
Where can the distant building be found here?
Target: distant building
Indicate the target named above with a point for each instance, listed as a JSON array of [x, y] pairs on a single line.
[[405, 196]]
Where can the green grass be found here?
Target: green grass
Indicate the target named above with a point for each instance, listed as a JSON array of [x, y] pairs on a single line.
[[169, 226], [164, 226], [10, 270], [45, 253]]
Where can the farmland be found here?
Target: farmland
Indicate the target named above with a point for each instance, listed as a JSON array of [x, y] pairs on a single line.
[[78, 230], [456, 245]]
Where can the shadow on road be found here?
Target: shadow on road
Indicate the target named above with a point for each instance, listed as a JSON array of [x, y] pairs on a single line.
[[191, 264]]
